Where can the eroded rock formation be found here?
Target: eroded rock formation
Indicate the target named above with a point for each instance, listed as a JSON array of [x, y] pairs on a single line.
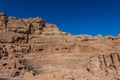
[[32, 49]]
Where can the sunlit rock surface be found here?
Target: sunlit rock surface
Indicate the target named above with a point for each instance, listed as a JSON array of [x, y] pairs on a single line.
[[32, 49]]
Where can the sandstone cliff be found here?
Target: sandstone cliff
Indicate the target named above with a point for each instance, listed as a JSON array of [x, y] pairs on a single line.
[[32, 49]]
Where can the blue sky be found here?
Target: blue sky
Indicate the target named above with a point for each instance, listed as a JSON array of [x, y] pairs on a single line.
[[75, 16]]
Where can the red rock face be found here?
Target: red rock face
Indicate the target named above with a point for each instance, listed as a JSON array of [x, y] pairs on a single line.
[[31, 49]]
